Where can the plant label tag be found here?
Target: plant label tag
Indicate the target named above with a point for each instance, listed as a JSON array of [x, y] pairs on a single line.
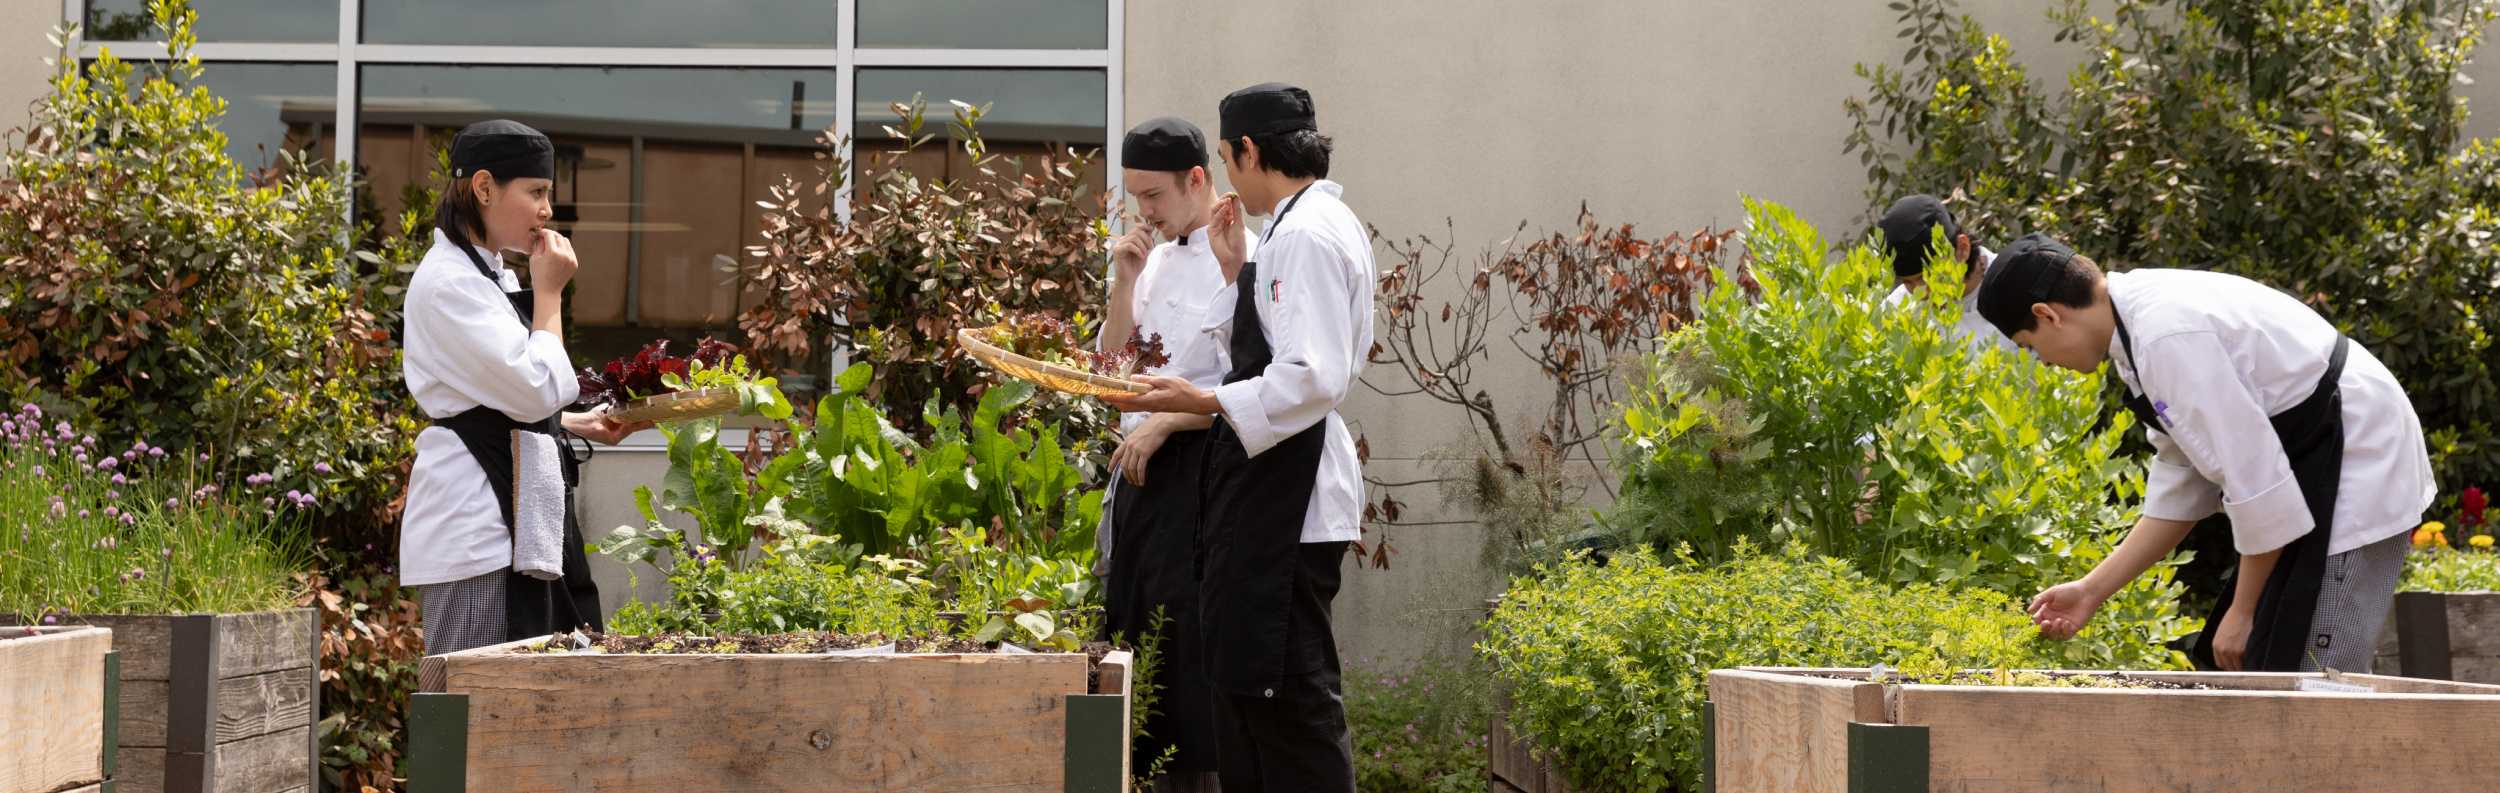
[[2332, 687]]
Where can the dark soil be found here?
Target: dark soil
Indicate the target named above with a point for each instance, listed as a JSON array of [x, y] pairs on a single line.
[[767, 644], [2046, 679]]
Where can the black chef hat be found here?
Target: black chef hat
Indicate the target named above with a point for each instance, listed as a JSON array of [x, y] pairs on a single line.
[[1909, 227], [1164, 144], [507, 149], [2024, 274], [1267, 109]]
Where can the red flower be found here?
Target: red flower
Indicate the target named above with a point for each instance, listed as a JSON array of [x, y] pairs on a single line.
[[2473, 503]]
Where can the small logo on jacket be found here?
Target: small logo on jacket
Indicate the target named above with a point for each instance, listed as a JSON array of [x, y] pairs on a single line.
[[1275, 290]]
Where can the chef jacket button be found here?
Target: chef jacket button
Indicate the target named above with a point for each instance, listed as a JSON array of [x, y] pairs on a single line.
[[1271, 693], [1171, 301]]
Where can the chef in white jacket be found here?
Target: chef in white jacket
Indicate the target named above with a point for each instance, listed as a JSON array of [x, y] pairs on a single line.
[[1165, 292], [1910, 227], [485, 360], [1283, 488], [2255, 407]]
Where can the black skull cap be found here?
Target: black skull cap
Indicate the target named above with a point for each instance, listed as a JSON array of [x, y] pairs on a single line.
[[2022, 275], [507, 149], [1267, 109], [1164, 144], [1908, 228]]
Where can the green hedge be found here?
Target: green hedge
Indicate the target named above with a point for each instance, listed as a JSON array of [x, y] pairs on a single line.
[[1609, 663]]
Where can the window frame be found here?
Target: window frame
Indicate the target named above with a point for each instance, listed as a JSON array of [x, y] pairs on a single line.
[[846, 58]]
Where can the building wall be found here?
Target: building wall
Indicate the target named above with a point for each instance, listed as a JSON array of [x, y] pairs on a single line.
[[23, 76]]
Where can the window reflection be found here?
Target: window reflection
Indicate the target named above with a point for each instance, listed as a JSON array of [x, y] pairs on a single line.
[[985, 24], [281, 21], [658, 174], [1030, 111], [602, 23]]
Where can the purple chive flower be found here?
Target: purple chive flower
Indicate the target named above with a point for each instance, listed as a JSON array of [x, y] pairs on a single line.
[[49, 619], [172, 503], [108, 463], [38, 470], [130, 518], [112, 511], [64, 430], [82, 513], [112, 494], [322, 468], [120, 480], [157, 452], [203, 457], [131, 455], [267, 502]]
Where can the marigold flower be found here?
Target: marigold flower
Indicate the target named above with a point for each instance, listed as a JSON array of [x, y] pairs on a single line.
[[2480, 541]]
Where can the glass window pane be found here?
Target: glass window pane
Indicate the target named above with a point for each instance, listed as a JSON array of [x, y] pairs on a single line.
[[986, 24], [284, 21], [1026, 105], [270, 107], [603, 23], [658, 173]]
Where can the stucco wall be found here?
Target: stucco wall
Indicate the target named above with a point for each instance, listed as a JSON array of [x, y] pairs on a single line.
[[23, 75]]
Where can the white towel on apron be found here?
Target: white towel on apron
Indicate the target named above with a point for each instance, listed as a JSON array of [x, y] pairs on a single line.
[[537, 506]]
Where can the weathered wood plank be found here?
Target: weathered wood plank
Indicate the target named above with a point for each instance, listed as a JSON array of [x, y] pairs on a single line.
[[264, 703], [765, 723], [1780, 732], [2474, 624], [275, 761], [142, 638], [52, 710], [142, 771], [1116, 679], [2036, 739], [143, 713], [265, 641]]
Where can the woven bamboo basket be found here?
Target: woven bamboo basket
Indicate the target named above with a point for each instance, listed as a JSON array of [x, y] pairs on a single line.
[[1047, 375]]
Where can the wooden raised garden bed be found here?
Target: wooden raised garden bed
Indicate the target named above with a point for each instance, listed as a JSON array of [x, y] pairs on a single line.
[[2442, 636], [506, 718], [59, 690], [217, 703], [1833, 730]]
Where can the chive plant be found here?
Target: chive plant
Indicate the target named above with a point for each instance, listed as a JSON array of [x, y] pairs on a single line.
[[133, 531]]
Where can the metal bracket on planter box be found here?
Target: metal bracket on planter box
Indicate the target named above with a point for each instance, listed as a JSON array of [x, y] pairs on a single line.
[[1887, 758], [1097, 736], [2422, 636], [438, 743]]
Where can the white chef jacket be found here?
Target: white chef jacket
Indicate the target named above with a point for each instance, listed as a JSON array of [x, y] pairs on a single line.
[[1174, 294], [1971, 327], [1314, 298], [2220, 354], [465, 347]]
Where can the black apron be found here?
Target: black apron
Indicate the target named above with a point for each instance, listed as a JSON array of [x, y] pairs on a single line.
[[1262, 620], [532, 607], [1156, 526], [2312, 434]]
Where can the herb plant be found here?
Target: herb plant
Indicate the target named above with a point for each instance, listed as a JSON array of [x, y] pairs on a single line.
[[1609, 663], [1418, 725]]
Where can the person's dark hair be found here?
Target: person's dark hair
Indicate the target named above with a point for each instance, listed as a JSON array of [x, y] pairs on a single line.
[[2073, 288], [457, 215], [1300, 154]]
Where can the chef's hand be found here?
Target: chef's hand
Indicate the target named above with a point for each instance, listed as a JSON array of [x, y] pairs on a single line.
[[1227, 234], [1170, 395], [2063, 609], [595, 425], [1139, 447], [2231, 640], [551, 262], [1128, 254]]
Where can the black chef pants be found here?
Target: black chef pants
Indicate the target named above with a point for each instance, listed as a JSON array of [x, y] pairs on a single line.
[[1296, 740]]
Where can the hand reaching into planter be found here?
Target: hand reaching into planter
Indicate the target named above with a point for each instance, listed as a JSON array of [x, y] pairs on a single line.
[[2064, 609]]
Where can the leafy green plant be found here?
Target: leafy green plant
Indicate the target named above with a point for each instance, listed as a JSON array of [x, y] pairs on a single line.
[[134, 530], [1418, 725], [1034, 623], [1609, 663], [798, 583], [2431, 568], [1817, 414], [153, 288], [2315, 146]]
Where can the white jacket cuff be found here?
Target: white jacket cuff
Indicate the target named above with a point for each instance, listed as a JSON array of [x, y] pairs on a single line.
[[2178, 492], [1248, 416], [2270, 519]]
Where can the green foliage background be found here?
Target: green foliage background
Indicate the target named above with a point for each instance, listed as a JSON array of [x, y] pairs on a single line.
[[1874, 434], [155, 289], [2314, 145]]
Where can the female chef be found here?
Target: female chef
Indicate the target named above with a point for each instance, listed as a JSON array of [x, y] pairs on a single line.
[[488, 533]]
